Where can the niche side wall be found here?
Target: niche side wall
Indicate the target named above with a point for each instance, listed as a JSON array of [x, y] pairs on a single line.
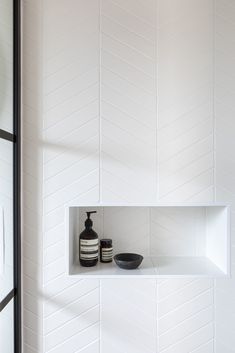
[[122, 111]]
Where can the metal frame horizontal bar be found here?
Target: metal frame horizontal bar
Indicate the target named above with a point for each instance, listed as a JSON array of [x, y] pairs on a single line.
[[5, 135], [7, 299]]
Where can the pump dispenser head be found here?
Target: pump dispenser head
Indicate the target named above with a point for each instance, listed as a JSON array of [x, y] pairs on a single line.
[[88, 222]]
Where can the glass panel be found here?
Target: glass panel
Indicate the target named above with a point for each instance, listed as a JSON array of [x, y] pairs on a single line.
[[6, 66], [6, 218], [7, 328]]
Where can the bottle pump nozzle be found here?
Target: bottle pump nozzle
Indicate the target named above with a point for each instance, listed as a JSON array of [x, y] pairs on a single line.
[[88, 222]]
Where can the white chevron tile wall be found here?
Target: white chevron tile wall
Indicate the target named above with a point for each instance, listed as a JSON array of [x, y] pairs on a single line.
[[128, 100], [70, 164], [185, 104], [224, 112], [185, 316], [185, 155], [118, 106], [128, 316]]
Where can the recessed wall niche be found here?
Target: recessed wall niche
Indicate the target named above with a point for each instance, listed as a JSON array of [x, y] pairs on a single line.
[[175, 240]]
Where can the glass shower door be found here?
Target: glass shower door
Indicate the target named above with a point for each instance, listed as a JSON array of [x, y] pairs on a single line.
[[6, 244], [9, 177]]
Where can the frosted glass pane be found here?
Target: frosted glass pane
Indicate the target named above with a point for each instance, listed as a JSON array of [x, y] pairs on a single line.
[[7, 329], [6, 70], [6, 218]]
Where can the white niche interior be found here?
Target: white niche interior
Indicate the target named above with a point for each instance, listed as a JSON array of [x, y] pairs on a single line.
[[175, 240]]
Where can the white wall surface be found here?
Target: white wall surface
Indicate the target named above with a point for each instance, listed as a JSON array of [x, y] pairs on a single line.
[[225, 163], [185, 105], [128, 101], [118, 106], [32, 148]]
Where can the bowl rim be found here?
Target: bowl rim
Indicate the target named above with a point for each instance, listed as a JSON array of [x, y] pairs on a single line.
[[138, 257]]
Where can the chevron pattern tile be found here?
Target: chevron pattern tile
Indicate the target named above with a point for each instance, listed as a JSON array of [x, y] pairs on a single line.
[[185, 156], [177, 232], [106, 120], [225, 166], [185, 105], [185, 316], [128, 316], [128, 100], [71, 166]]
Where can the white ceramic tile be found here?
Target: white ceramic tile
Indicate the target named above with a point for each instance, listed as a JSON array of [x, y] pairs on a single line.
[[73, 327], [130, 92], [185, 97], [185, 315], [128, 316], [71, 105], [187, 310], [127, 37], [184, 152], [176, 231], [192, 342], [69, 100], [72, 310], [187, 327], [72, 141], [141, 62], [78, 341], [66, 194], [180, 297]]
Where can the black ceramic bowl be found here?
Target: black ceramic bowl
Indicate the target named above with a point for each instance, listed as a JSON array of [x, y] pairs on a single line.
[[128, 261]]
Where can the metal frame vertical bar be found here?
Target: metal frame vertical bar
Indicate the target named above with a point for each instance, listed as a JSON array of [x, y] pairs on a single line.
[[17, 171]]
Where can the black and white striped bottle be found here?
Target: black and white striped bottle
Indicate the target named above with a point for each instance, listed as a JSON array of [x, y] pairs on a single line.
[[88, 244]]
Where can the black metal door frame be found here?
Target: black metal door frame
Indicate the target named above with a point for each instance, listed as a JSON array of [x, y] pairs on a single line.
[[15, 139]]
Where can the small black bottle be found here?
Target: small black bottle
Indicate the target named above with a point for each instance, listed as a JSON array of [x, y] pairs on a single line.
[[88, 244], [106, 250]]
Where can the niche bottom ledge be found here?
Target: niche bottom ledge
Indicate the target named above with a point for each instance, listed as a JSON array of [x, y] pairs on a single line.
[[153, 267]]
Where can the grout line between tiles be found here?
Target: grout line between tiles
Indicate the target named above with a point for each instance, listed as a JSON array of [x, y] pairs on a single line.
[[214, 152], [157, 322], [100, 317], [100, 105], [100, 161], [157, 107]]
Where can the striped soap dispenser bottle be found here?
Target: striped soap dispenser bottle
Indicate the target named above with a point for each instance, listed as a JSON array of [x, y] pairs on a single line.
[[88, 244]]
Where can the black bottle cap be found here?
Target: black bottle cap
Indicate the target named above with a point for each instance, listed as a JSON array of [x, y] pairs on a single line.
[[106, 242], [88, 222]]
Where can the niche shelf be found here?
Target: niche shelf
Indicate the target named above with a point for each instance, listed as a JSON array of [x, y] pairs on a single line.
[[176, 240]]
